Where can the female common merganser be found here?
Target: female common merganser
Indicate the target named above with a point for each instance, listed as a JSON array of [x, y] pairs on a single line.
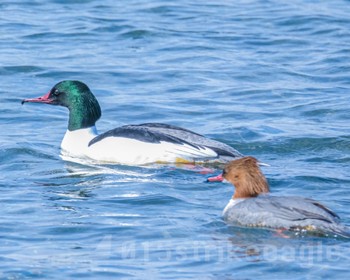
[[250, 206], [130, 144]]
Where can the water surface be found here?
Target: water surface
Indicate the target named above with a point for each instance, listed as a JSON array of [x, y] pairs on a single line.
[[269, 78]]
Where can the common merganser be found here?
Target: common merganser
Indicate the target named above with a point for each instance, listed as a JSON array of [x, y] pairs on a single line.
[[130, 144], [252, 206]]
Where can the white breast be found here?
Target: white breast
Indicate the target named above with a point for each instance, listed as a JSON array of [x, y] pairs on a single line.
[[231, 204], [75, 143]]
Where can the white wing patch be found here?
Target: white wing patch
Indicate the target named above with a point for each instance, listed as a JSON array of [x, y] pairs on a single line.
[[134, 152]]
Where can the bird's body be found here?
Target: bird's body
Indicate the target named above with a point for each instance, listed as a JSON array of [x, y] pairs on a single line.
[[130, 144], [253, 206]]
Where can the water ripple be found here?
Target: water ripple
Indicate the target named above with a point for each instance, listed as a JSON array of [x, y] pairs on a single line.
[[268, 78]]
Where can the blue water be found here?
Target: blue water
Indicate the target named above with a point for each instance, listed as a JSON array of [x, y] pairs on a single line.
[[270, 78]]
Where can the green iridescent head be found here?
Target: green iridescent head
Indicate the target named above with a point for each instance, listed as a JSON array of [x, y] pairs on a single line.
[[83, 107]]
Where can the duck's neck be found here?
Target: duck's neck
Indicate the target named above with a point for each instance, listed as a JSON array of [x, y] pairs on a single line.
[[83, 113], [251, 187]]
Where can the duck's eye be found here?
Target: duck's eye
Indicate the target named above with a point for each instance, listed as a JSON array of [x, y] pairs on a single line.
[[56, 92]]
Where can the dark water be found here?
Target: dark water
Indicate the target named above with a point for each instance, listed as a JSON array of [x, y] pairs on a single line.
[[270, 78]]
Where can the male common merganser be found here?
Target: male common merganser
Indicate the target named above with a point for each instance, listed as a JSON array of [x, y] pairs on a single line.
[[251, 206], [130, 144]]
